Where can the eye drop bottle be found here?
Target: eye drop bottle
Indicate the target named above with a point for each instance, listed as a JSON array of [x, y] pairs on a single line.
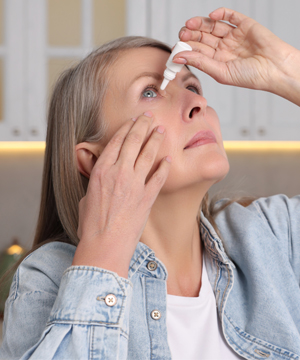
[[172, 68]]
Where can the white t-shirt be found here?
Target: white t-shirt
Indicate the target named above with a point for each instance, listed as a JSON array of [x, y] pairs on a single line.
[[194, 329]]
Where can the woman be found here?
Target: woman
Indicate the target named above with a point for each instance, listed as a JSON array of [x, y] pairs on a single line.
[[150, 277]]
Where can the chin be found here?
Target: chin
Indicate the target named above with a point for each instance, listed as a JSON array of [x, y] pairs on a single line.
[[208, 172], [215, 168]]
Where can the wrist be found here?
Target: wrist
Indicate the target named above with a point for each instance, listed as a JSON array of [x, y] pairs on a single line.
[[287, 83], [105, 254]]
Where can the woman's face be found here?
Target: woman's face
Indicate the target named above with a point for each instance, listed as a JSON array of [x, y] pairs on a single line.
[[134, 88]]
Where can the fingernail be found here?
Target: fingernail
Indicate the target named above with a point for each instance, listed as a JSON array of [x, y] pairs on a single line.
[[134, 119], [160, 129], [181, 33], [148, 113], [180, 60], [168, 158]]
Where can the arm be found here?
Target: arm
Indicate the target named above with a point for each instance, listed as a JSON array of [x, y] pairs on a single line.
[[244, 54], [69, 321], [69, 318]]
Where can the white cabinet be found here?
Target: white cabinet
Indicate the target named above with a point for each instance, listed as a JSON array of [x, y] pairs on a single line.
[[25, 54], [244, 114]]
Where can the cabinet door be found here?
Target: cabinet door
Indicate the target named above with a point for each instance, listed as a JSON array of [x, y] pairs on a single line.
[[244, 114], [12, 124], [42, 38], [275, 117]]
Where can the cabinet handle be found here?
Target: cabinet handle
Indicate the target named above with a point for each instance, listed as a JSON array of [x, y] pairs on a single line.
[[261, 131], [16, 132], [244, 131], [34, 132]]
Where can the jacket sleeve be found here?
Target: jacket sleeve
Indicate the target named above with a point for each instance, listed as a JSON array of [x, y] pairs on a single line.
[[72, 321], [282, 215]]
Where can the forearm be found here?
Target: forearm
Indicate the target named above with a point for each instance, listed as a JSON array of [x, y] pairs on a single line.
[[82, 322]]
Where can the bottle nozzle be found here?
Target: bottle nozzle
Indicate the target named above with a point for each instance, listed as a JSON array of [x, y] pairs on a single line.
[[164, 84], [173, 68]]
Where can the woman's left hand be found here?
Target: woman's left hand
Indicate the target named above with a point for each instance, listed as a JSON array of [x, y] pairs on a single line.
[[244, 54]]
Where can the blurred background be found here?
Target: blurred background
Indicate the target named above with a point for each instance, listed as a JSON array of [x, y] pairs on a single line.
[[41, 38]]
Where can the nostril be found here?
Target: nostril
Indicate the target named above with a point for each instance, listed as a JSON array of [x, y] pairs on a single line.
[[194, 111]]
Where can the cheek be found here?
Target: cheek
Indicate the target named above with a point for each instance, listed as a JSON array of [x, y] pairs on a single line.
[[213, 120]]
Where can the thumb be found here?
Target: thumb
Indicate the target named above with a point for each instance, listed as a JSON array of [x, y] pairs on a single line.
[[216, 69]]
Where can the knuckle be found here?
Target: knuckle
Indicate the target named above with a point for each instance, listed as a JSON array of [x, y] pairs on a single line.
[[134, 138], [117, 140], [146, 119], [147, 156], [97, 172], [158, 178]]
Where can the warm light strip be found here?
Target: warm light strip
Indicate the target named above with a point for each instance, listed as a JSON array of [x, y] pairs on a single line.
[[229, 145], [262, 145], [22, 145]]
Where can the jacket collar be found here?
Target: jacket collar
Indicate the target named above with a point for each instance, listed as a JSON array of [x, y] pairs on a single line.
[[143, 254]]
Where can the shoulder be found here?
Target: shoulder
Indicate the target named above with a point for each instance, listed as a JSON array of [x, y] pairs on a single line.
[[276, 211], [44, 267], [269, 224]]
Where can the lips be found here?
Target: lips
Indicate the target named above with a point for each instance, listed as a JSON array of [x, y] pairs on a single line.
[[202, 137]]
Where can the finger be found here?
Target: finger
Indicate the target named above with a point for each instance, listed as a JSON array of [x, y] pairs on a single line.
[[148, 154], [158, 179], [216, 69], [111, 151], [135, 139], [189, 35], [207, 25], [210, 40], [225, 14], [197, 47]]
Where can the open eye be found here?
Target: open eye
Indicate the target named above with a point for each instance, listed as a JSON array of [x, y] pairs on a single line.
[[149, 92]]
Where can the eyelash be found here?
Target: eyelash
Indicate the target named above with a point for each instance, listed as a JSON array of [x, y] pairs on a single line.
[[154, 87]]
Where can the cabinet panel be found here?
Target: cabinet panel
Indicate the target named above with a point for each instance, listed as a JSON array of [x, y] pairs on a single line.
[[275, 117], [64, 22], [1, 89]]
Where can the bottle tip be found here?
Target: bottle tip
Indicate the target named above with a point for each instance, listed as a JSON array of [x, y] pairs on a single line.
[[164, 84]]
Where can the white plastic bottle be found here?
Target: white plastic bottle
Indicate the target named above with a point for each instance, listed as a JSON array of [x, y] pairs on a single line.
[[172, 68]]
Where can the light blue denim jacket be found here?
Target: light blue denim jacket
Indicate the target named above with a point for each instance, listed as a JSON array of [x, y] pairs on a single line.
[[57, 311]]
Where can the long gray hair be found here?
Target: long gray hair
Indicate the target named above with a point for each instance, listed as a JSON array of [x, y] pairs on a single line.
[[74, 116]]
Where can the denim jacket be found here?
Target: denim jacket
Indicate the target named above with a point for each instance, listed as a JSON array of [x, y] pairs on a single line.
[[59, 311]]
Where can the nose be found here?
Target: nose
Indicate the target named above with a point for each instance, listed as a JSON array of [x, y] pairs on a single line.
[[196, 106], [194, 111]]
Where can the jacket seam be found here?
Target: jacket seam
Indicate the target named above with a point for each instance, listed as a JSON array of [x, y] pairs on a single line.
[[227, 285], [71, 269], [144, 251], [84, 322], [147, 316], [91, 352], [259, 344]]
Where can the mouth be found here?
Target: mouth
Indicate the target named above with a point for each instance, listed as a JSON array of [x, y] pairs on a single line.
[[201, 138]]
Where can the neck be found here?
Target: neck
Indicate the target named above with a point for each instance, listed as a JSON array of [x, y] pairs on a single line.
[[172, 232]]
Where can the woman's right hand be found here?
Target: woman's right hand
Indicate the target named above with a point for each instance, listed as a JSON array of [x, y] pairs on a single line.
[[114, 212]]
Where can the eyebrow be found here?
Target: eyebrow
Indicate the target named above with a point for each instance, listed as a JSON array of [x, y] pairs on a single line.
[[159, 77], [154, 75]]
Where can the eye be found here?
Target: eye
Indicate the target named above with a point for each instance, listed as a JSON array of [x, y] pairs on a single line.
[[194, 89], [149, 92]]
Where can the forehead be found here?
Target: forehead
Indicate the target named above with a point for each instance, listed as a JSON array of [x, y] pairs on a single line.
[[132, 62]]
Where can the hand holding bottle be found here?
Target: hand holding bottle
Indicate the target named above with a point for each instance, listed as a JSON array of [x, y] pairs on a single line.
[[114, 212], [244, 54]]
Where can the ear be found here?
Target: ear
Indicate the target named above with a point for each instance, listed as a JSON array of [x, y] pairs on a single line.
[[87, 154]]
